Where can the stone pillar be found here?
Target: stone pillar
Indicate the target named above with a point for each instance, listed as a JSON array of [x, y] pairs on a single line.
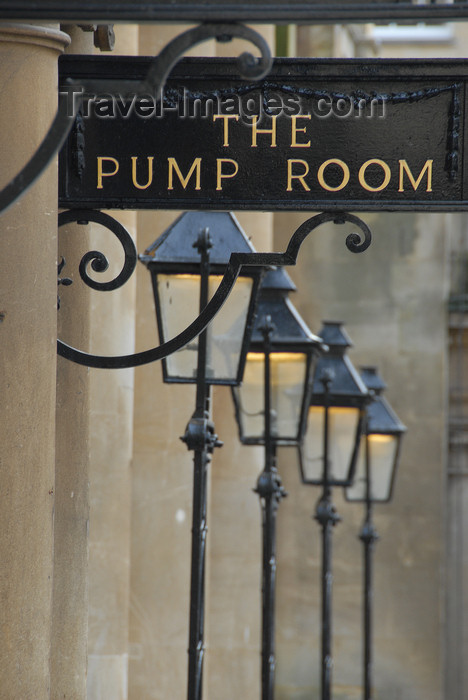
[[111, 415], [71, 520], [28, 294]]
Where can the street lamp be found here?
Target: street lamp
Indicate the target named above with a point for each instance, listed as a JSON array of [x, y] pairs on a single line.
[[186, 263], [271, 409], [375, 477], [328, 456]]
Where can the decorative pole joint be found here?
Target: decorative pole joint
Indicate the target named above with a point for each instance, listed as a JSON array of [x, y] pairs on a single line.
[[368, 534], [269, 485], [200, 434], [326, 513]]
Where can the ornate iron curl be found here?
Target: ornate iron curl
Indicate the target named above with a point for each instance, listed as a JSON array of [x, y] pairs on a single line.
[[98, 260], [355, 243], [161, 66]]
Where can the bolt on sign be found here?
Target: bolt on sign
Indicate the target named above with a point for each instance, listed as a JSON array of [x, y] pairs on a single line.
[[314, 134]]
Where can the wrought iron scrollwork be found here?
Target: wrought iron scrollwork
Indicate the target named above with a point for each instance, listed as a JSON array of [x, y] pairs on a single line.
[[249, 66], [161, 66], [95, 258], [355, 242]]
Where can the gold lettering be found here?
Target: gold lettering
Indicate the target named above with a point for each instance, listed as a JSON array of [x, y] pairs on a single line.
[[294, 130], [404, 168], [173, 165], [256, 131], [321, 171], [150, 172], [225, 118], [100, 171], [362, 175], [300, 177], [219, 171]]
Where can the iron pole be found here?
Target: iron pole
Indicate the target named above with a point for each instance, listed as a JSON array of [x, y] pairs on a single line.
[[270, 491], [327, 516], [368, 536], [201, 438]]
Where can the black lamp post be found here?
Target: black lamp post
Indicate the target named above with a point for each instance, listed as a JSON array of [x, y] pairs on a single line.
[[186, 264], [328, 457], [271, 409], [375, 477]]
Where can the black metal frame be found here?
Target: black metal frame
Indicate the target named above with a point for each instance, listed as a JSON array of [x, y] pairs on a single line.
[[348, 391], [180, 266], [293, 441], [288, 334], [266, 11]]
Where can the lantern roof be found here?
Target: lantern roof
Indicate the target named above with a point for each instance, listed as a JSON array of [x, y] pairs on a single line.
[[381, 418], [288, 326], [346, 387], [176, 244], [372, 379]]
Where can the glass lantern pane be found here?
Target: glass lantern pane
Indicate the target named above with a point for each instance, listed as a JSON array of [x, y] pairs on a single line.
[[179, 300], [343, 424], [288, 376], [382, 453], [250, 397]]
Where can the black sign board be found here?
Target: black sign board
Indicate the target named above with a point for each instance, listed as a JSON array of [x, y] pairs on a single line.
[[230, 10], [315, 134]]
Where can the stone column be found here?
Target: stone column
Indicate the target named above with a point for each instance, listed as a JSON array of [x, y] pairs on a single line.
[[28, 299], [111, 439], [70, 591]]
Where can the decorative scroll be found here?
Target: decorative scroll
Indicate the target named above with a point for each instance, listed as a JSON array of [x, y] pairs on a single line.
[[98, 260], [355, 242]]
